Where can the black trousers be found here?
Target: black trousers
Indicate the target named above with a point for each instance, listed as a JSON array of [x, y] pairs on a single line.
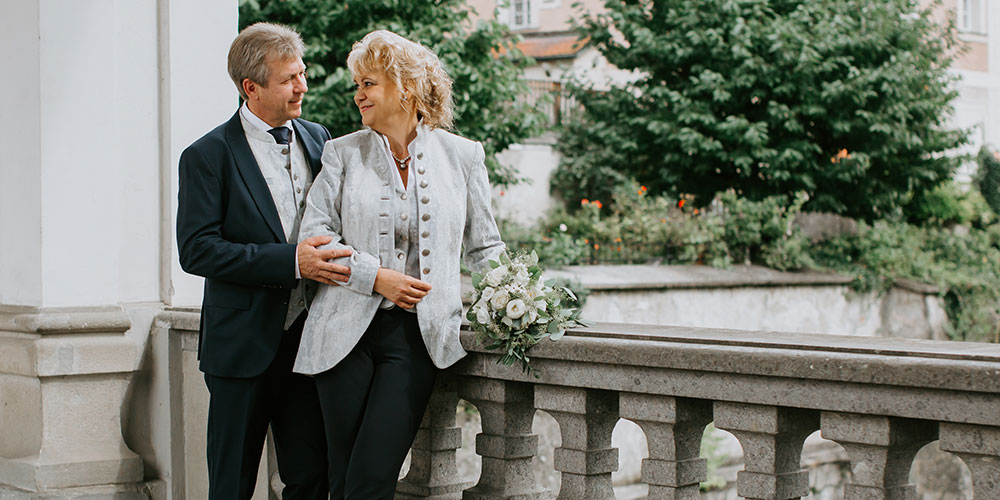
[[373, 402], [239, 412]]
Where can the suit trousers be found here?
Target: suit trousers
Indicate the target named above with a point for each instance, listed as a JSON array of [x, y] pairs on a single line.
[[373, 402], [239, 412]]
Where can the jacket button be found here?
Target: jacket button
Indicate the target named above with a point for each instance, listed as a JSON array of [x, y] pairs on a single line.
[[420, 170], [425, 200], [284, 151], [420, 155], [425, 253], [402, 196], [426, 217], [425, 234], [427, 270], [402, 216], [423, 184]]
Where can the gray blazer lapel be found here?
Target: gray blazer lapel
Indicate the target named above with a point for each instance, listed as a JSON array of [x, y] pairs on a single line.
[[252, 177]]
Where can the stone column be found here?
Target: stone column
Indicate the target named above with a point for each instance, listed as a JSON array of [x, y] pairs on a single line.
[[881, 450], [506, 443], [586, 419], [772, 439], [979, 447], [433, 470], [673, 428], [63, 376]]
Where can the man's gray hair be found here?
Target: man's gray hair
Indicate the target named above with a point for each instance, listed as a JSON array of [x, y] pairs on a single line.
[[256, 46]]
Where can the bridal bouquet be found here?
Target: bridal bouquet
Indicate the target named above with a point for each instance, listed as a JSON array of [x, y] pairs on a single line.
[[513, 309]]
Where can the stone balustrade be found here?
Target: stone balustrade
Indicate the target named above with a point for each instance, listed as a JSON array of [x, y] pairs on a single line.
[[880, 399]]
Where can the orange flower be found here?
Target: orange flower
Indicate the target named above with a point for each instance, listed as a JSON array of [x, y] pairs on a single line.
[[598, 203], [618, 240], [502, 193], [696, 211], [619, 248], [586, 240], [840, 156], [643, 188], [680, 203], [584, 202], [664, 221], [596, 246]]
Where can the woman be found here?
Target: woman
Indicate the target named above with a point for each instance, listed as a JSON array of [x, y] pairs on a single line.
[[404, 196]]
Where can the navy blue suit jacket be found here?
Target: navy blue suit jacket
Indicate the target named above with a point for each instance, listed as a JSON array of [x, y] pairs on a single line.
[[228, 231]]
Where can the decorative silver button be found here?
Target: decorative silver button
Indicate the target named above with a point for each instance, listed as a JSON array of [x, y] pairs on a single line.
[[420, 155], [425, 234], [426, 217], [302, 302], [284, 151], [423, 184], [425, 200], [298, 190], [402, 216], [400, 256], [427, 270], [420, 170], [295, 177], [402, 196], [425, 253]]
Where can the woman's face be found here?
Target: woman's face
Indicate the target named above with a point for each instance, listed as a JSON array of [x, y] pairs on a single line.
[[378, 100]]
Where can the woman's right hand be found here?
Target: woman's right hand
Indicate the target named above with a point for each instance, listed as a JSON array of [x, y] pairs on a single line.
[[402, 290]]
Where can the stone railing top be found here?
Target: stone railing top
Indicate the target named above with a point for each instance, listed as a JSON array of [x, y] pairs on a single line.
[[40, 321], [963, 366], [648, 277]]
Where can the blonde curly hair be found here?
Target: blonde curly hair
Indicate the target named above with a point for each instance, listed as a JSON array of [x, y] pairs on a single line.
[[412, 67]]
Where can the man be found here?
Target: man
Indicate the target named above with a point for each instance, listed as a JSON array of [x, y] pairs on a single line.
[[242, 195]]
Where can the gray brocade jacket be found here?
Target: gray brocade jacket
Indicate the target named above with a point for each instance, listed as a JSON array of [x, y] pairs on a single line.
[[351, 201]]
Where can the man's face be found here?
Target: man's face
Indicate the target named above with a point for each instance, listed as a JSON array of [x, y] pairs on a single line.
[[280, 99]]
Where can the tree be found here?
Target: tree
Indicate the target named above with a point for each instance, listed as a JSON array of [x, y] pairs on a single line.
[[846, 100], [485, 82]]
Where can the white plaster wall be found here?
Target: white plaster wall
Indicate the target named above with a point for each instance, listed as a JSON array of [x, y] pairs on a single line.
[[20, 151], [197, 96], [528, 201]]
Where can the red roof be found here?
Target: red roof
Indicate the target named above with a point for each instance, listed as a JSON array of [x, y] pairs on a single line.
[[552, 45]]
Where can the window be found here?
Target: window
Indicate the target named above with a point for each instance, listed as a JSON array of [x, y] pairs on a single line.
[[519, 14], [972, 16]]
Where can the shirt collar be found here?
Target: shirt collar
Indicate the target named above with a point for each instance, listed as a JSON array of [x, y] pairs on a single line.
[[260, 125]]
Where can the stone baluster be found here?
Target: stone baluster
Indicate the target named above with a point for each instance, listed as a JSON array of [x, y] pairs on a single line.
[[433, 470], [673, 429], [772, 439], [881, 450], [586, 419], [979, 447], [506, 443]]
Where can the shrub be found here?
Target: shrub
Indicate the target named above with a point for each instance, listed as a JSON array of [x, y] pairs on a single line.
[[845, 100]]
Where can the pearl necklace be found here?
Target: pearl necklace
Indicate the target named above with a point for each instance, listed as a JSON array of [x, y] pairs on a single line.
[[400, 164]]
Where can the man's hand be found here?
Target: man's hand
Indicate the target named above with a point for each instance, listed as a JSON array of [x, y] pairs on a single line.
[[402, 290], [313, 261]]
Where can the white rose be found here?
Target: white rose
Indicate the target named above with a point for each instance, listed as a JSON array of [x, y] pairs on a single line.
[[535, 292], [496, 276], [483, 315], [499, 300], [487, 294], [541, 304], [530, 316], [522, 275], [515, 309], [562, 227]]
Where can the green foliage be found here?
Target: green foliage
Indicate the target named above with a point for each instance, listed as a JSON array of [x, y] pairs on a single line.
[[640, 228], [966, 267], [950, 203], [845, 100], [485, 85], [987, 178]]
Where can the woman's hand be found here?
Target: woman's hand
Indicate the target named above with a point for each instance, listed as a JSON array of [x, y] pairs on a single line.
[[402, 290]]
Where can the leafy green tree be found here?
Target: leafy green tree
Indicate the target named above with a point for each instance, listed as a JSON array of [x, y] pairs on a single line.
[[987, 177], [846, 100], [485, 84]]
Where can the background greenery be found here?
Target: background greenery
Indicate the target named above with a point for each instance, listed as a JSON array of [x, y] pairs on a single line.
[[844, 100], [485, 86]]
